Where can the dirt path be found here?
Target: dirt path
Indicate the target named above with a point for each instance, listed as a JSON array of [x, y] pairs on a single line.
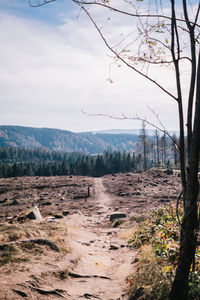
[[93, 262], [103, 260]]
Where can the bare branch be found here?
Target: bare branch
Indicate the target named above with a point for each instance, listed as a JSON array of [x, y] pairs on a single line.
[[128, 13], [40, 3], [138, 118], [123, 60], [197, 14]]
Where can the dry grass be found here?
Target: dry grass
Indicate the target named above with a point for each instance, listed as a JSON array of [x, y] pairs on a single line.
[[23, 252], [127, 234], [148, 282]]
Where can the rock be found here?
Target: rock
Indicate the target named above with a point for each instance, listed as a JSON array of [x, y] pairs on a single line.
[[47, 203], [109, 233], [113, 247], [15, 202], [65, 212], [50, 218], [3, 201], [135, 260], [80, 196], [34, 214], [169, 172], [51, 221], [58, 216], [116, 223], [137, 194], [85, 244], [117, 216], [123, 194]]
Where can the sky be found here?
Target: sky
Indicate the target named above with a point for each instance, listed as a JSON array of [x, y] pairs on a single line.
[[54, 66]]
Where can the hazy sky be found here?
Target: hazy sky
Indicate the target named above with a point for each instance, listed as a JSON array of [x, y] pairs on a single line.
[[54, 64]]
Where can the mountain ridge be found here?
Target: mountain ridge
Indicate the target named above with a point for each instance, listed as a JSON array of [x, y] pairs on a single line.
[[65, 140]]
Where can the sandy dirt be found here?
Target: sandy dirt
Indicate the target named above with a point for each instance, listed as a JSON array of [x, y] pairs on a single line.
[[95, 260], [95, 242]]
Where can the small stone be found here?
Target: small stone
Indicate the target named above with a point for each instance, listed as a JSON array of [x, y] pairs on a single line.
[[113, 247], [85, 244], [65, 212], [109, 233], [47, 203], [58, 216], [15, 202], [123, 194], [137, 194], [116, 223], [51, 221], [135, 260], [34, 214], [117, 216]]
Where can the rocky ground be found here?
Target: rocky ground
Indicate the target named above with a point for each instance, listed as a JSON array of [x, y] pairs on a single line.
[[75, 251], [137, 193]]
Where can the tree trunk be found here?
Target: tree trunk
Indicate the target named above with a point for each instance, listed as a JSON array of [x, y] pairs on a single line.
[[190, 221]]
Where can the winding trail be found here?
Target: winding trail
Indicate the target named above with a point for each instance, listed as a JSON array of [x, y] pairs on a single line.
[[103, 260]]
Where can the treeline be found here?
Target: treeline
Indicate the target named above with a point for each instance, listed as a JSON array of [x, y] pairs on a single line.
[[16, 162], [158, 150], [19, 154], [151, 151]]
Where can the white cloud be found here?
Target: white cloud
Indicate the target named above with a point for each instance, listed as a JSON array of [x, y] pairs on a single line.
[[49, 73]]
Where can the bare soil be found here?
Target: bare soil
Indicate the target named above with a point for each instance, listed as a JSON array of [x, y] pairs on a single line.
[[94, 260]]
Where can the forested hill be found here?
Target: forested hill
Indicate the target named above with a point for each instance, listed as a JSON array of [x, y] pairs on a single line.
[[62, 140]]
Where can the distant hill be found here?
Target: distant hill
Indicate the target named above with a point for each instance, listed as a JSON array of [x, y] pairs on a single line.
[[63, 140], [150, 132]]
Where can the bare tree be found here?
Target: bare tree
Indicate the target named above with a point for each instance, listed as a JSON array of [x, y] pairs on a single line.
[[166, 36], [163, 142], [157, 147], [175, 151], [144, 142]]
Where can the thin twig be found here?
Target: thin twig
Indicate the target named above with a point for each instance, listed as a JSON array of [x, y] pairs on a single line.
[[39, 3]]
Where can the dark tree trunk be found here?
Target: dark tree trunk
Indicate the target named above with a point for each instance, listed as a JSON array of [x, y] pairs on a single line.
[[190, 221]]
